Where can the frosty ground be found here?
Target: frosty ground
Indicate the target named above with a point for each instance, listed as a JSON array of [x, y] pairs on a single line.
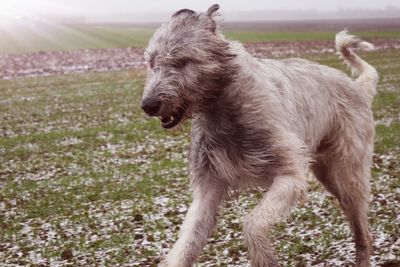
[[87, 180]]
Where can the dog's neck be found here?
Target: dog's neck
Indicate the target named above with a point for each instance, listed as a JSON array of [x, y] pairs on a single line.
[[222, 113], [228, 108]]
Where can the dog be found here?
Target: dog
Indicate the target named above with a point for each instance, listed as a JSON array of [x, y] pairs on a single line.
[[261, 123]]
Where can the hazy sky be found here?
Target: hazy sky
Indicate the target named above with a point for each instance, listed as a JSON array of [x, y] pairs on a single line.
[[102, 7]]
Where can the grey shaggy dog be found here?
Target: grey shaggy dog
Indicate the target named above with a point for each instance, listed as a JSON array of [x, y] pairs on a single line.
[[261, 123]]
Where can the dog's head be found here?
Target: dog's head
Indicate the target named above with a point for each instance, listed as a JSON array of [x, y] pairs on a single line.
[[187, 65]]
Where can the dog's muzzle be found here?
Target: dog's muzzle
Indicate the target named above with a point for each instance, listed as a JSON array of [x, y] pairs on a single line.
[[153, 106]]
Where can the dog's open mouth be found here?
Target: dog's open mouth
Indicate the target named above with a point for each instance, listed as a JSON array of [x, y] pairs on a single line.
[[172, 120]]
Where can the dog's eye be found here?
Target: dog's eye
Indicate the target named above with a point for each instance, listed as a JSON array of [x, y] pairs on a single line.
[[184, 62], [151, 63], [181, 63]]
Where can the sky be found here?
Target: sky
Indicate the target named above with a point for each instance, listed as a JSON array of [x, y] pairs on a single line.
[[90, 8]]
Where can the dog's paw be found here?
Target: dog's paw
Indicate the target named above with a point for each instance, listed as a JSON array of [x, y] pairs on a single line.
[[167, 263], [172, 263], [163, 263]]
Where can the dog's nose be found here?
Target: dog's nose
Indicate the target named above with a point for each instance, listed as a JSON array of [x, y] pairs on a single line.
[[151, 106]]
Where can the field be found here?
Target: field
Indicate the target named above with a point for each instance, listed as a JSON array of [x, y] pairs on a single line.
[[61, 37], [87, 180]]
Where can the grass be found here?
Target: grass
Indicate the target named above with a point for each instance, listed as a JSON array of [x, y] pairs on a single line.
[[54, 37], [87, 180], [58, 38], [302, 36]]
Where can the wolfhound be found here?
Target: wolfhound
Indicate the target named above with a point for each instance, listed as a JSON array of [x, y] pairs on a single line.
[[264, 123]]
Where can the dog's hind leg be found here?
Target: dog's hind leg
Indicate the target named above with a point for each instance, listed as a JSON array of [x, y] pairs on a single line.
[[347, 178], [284, 193]]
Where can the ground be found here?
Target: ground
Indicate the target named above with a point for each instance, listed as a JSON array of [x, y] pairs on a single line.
[[86, 179]]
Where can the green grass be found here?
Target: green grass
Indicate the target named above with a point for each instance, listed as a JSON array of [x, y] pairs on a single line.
[[302, 36], [86, 179], [55, 38], [58, 37]]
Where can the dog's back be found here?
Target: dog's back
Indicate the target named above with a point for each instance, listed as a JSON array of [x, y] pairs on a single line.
[[319, 100]]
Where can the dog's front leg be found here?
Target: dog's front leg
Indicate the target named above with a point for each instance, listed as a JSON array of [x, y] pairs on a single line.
[[198, 224]]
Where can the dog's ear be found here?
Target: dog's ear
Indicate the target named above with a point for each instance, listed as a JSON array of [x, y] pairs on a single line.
[[183, 11], [211, 10], [211, 18]]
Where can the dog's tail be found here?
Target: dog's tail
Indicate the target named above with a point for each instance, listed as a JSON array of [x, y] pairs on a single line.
[[367, 75]]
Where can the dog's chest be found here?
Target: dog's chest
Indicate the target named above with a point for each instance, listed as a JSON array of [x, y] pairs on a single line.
[[231, 155]]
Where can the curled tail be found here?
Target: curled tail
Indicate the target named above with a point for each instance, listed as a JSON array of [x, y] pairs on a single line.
[[367, 75]]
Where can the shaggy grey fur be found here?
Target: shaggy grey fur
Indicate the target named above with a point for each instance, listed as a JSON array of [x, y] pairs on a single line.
[[261, 122]]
